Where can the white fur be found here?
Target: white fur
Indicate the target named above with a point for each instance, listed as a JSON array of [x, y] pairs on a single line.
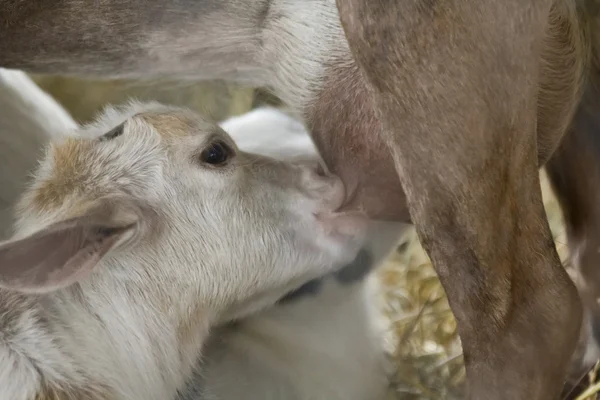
[[298, 38], [326, 346], [218, 244], [283, 44]]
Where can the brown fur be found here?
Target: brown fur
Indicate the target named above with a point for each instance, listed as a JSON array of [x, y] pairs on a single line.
[[168, 125], [574, 172], [357, 151], [71, 175], [563, 72], [470, 174], [72, 166], [51, 392]]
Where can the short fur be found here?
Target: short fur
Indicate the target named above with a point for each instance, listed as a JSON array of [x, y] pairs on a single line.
[[324, 344], [323, 341], [168, 256]]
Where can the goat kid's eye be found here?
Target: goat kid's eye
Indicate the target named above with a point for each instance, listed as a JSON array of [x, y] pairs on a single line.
[[217, 153]]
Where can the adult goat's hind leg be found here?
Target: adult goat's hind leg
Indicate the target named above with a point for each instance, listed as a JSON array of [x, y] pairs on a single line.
[[456, 87], [574, 173]]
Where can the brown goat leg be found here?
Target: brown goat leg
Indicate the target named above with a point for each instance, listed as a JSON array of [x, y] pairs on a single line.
[[574, 173], [463, 133]]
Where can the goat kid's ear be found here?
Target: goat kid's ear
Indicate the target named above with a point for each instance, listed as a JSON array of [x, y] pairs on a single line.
[[58, 255]]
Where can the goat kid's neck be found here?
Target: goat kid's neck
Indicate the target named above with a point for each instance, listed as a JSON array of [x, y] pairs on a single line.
[[112, 344]]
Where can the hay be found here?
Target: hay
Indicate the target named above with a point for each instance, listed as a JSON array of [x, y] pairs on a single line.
[[427, 351]]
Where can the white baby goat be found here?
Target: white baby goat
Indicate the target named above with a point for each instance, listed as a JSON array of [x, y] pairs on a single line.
[[322, 342], [137, 238]]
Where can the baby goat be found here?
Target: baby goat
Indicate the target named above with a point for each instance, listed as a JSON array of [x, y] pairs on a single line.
[[140, 235], [323, 341]]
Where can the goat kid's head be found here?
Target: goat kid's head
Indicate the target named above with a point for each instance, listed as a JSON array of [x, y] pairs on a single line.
[[158, 201]]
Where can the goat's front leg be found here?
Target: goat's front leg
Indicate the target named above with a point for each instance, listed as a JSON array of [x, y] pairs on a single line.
[[455, 84]]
